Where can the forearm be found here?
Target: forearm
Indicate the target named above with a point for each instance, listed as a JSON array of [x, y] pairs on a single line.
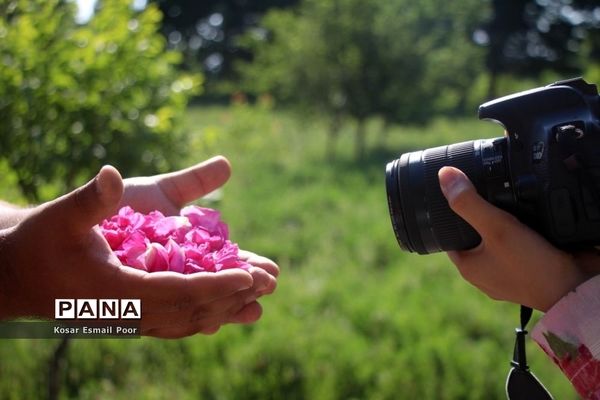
[[10, 214], [570, 334]]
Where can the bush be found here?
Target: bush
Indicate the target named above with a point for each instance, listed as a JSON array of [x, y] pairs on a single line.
[[74, 97]]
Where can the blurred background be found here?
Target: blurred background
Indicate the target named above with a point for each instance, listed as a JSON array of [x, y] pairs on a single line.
[[309, 100]]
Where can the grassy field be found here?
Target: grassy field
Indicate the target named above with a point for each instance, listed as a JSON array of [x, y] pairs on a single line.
[[353, 316]]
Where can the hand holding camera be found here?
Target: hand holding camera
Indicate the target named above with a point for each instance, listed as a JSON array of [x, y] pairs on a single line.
[[545, 171], [512, 262], [518, 214]]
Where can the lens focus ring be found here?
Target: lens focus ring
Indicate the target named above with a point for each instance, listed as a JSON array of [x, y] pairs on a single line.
[[422, 219], [447, 229]]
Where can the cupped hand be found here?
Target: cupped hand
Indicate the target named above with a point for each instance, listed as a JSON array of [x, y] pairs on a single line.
[[512, 262], [169, 192], [57, 251]]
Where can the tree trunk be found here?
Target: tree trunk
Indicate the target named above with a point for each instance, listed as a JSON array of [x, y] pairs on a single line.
[[55, 367], [360, 145], [493, 85], [384, 133], [29, 190], [332, 135]]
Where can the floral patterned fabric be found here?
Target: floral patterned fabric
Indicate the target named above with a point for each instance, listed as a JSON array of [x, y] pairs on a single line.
[[570, 334]]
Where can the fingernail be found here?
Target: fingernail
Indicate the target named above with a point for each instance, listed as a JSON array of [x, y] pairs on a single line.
[[109, 183], [265, 285], [452, 182], [100, 182]]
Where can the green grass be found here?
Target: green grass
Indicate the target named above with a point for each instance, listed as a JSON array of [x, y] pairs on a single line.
[[353, 317]]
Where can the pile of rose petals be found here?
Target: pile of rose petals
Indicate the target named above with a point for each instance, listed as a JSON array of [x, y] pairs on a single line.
[[194, 241]]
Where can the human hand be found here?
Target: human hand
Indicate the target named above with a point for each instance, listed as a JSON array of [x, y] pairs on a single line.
[[512, 262], [169, 192], [57, 252]]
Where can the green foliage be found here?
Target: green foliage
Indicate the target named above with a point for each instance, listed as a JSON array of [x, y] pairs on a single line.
[[526, 37], [592, 73], [75, 97], [202, 29], [353, 317], [404, 60]]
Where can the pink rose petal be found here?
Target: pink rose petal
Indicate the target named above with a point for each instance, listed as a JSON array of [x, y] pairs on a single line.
[[195, 241]]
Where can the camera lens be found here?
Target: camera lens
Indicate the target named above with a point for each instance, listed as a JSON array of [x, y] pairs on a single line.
[[421, 217]]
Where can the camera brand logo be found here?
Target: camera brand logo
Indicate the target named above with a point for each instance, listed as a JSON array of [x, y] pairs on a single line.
[[97, 309]]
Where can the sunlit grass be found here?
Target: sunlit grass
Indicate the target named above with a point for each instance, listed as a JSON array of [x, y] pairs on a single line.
[[353, 317]]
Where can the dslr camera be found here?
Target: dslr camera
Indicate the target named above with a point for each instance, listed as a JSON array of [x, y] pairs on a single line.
[[545, 171]]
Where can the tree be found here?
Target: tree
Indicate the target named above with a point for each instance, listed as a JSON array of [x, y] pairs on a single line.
[[402, 60], [524, 38], [206, 31], [74, 97]]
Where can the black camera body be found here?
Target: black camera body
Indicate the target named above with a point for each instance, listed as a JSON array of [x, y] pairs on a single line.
[[545, 171]]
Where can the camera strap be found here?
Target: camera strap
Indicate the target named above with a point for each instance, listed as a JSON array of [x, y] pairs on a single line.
[[521, 383]]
